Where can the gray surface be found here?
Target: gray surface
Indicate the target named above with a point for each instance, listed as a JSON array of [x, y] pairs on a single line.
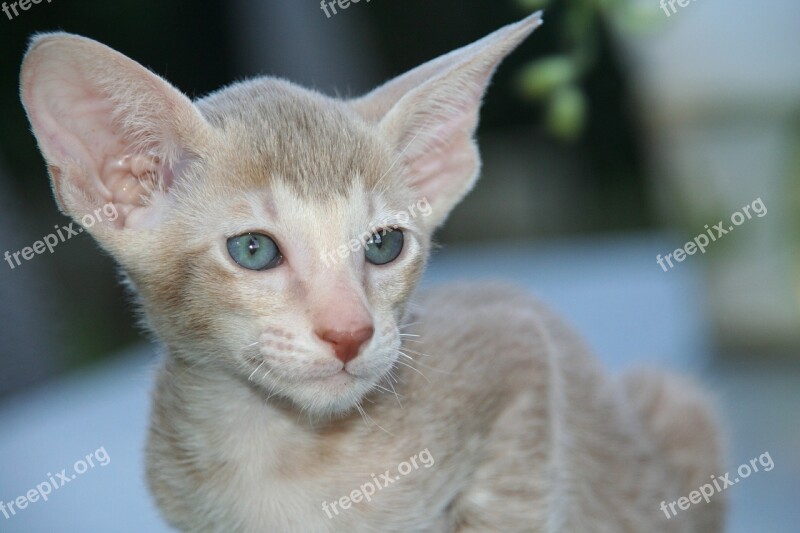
[[611, 290]]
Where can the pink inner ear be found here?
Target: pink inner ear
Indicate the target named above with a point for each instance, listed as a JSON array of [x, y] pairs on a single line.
[[433, 120], [440, 173], [106, 126], [80, 128], [133, 181], [437, 139]]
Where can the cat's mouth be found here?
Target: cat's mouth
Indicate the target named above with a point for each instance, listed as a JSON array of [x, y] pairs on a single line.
[[321, 386], [343, 377], [260, 366]]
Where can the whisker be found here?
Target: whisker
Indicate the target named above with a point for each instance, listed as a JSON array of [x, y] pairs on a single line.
[[392, 391], [432, 369], [418, 353], [256, 370], [367, 417], [277, 391], [384, 389], [411, 340], [395, 394], [411, 367]]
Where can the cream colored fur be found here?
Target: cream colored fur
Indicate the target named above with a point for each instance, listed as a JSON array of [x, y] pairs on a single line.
[[255, 424]]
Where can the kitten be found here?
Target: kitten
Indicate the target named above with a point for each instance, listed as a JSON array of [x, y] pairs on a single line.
[[293, 387]]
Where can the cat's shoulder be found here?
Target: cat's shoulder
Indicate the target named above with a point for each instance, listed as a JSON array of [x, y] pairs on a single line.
[[491, 309], [495, 330], [478, 298]]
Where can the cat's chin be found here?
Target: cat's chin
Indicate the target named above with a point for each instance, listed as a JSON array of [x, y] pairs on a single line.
[[329, 396]]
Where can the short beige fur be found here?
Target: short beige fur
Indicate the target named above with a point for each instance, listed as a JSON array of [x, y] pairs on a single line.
[[254, 422]]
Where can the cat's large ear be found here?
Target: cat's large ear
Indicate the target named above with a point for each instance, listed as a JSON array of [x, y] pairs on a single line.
[[113, 134], [430, 114]]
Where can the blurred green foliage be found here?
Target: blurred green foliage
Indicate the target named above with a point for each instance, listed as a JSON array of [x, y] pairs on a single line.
[[556, 81]]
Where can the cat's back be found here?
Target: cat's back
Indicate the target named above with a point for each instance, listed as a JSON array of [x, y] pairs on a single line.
[[500, 355]]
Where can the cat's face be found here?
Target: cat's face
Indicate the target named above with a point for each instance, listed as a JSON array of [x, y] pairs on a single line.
[[270, 232], [310, 209]]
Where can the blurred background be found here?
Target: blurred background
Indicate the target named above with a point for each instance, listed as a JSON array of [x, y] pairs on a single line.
[[616, 133]]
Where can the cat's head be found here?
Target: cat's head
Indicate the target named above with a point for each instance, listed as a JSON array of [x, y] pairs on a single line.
[[270, 231]]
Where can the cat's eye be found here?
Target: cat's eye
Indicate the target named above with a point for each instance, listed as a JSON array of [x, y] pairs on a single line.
[[384, 246], [254, 251]]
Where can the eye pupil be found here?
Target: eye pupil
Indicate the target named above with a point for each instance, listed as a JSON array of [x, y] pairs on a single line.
[[252, 246]]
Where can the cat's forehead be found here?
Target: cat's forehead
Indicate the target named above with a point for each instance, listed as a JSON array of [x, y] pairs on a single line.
[[272, 130], [278, 202]]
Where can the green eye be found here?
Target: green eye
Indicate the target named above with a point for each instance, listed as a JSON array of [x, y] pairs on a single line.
[[254, 251], [384, 247]]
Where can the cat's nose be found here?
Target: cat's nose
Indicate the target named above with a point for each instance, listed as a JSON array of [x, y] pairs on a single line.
[[346, 344]]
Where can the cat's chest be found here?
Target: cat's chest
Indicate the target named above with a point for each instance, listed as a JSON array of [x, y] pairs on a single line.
[[357, 495], [306, 485]]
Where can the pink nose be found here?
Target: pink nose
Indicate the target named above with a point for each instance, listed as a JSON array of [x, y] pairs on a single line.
[[346, 343]]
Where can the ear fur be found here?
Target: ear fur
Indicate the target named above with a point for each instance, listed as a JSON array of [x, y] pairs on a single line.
[[112, 133], [430, 115]]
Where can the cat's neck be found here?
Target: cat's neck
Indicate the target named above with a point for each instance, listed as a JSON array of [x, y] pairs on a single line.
[[212, 399]]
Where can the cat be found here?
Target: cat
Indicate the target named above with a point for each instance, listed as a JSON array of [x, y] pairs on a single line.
[[291, 394]]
